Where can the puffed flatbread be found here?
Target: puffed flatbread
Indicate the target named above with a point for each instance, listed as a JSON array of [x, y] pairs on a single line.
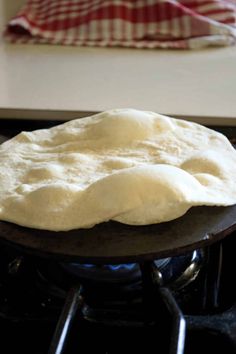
[[132, 166]]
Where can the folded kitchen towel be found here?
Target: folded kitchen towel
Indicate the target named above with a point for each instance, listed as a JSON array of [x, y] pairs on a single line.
[[127, 23]]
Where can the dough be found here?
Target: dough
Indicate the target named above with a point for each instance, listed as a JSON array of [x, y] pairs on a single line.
[[132, 166]]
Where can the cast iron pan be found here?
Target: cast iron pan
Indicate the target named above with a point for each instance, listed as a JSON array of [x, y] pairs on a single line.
[[113, 243]]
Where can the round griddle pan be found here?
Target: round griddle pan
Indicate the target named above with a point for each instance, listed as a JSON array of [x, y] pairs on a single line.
[[113, 243]]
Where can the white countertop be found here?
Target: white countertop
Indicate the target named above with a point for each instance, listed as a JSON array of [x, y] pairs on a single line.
[[42, 81]]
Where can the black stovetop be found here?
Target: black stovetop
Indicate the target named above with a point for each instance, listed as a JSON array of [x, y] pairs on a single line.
[[117, 316], [50, 307]]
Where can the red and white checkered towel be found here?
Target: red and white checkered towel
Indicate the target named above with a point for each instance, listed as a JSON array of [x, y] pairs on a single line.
[[126, 23]]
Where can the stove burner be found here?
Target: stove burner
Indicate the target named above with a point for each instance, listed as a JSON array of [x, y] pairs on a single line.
[[175, 271], [113, 273]]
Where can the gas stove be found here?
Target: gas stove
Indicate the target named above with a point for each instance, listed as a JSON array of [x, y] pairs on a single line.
[[180, 305]]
